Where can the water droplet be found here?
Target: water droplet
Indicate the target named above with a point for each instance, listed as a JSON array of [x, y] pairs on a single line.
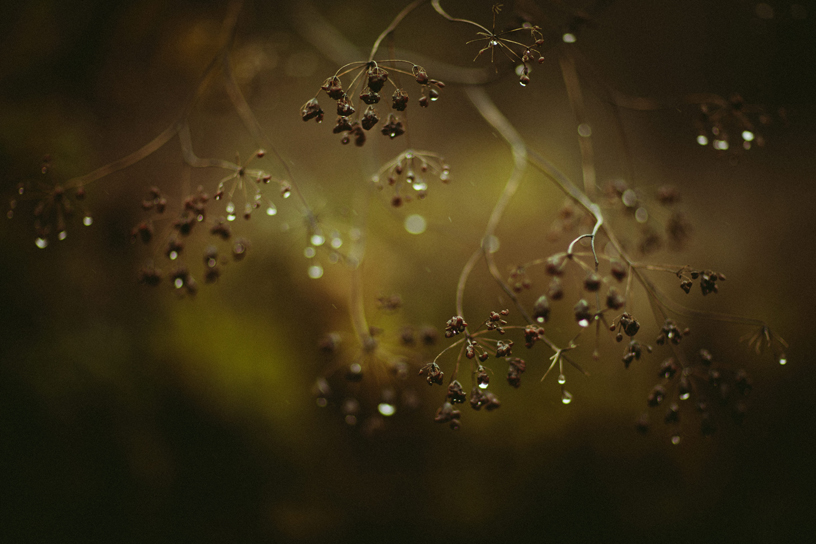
[[702, 139], [641, 215], [420, 185], [309, 252], [409, 155], [41, 243], [483, 385], [271, 210], [315, 271], [494, 43], [783, 360], [62, 235], [231, 217], [521, 82], [746, 145], [675, 439], [747, 135], [230, 207], [20, 190], [336, 242], [318, 239], [445, 175], [87, 220], [322, 402], [583, 323], [566, 396], [351, 419], [173, 255], [286, 193], [568, 37], [584, 130], [722, 145], [178, 283], [211, 263], [415, 224], [562, 379], [629, 198], [386, 409], [10, 214], [685, 395]]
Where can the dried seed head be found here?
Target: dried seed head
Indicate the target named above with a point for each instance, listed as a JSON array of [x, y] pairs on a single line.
[[333, 88], [582, 313], [370, 118], [400, 100], [614, 300], [377, 78], [618, 270], [541, 309], [311, 110]]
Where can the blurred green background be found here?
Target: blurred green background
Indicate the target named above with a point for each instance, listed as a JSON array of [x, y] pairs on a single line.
[[129, 414]]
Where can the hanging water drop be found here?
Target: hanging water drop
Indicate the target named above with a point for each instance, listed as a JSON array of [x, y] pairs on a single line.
[[87, 220], [386, 409], [702, 139], [675, 439], [318, 239], [566, 396], [41, 243], [562, 379], [783, 360], [271, 210], [62, 235], [315, 271]]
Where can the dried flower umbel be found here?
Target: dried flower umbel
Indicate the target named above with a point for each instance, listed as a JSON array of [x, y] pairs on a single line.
[[358, 103], [411, 169]]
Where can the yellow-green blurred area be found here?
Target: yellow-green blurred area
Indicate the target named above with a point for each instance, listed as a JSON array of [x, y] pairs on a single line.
[[133, 414]]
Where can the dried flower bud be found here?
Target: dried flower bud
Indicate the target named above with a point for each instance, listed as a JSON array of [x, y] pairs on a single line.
[[333, 88], [434, 374], [400, 100], [370, 118], [393, 127], [555, 265], [420, 74], [376, 78], [311, 110], [614, 300], [582, 313], [503, 349], [541, 309], [592, 282], [455, 325], [369, 97], [447, 414], [618, 270], [344, 107], [456, 394], [556, 290], [657, 395], [343, 125]]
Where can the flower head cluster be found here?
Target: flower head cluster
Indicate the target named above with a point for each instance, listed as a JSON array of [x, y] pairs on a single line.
[[411, 169], [357, 104], [174, 236], [720, 119], [701, 385], [55, 205]]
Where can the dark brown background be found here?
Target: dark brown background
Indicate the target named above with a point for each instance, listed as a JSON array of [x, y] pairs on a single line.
[[127, 415]]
